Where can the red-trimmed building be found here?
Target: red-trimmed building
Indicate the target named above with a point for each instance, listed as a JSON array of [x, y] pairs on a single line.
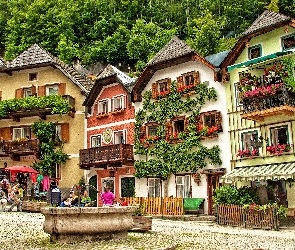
[[108, 153]]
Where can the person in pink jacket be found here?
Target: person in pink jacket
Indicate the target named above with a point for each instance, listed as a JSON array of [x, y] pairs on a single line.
[[107, 197]]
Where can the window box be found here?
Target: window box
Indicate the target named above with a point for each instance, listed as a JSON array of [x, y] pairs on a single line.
[[101, 115], [117, 111], [187, 82], [279, 149], [209, 124]]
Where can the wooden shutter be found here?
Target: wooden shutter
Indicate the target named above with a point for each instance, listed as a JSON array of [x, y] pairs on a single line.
[[6, 133], [169, 129], [186, 124], [169, 84], [65, 132], [41, 90], [142, 132], [62, 89], [218, 121], [0, 95], [154, 90], [199, 122], [179, 82], [34, 91], [19, 93], [196, 78]]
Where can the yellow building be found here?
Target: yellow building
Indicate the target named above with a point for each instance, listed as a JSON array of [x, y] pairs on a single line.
[[37, 73]]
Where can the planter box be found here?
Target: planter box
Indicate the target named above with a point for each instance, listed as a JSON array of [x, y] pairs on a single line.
[[142, 223], [32, 206], [66, 225]]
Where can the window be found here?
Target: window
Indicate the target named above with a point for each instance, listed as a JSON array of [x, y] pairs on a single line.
[[108, 182], [103, 107], [24, 132], [119, 137], [127, 186], [27, 92], [52, 90], [288, 42], [161, 88], [118, 103], [238, 95], [209, 120], [178, 126], [95, 141], [254, 51], [279, 135], [56, 172], [152, 130], [163, 85], [154, 189], [188, 79], [247, 137], [33, 77], [183, 186]]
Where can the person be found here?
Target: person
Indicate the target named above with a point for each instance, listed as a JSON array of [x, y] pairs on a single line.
[[107, 197], [4, 184], [13, 199], [123, 202], [3, 200], [72, 200], [85, 199]]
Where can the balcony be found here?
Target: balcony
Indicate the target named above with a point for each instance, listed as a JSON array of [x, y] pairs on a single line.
[[15, 149], [257, 108], [106, 155]]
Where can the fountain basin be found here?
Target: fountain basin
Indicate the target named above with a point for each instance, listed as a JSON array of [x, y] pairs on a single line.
[[66, 225]]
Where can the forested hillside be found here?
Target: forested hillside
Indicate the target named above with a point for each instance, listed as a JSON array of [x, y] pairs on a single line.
[[126, 31]]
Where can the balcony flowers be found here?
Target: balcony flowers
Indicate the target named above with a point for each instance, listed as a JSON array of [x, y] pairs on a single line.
[[176, 136], [148, 140], [247, 81], [248, 153], [162, 94], [279, 149], [207, 131], [263, 91], [186, 89], [25, 139], [275, 73]]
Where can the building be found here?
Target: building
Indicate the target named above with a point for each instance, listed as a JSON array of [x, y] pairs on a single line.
[[33, 76], [181, 140], [108, 154], [259, 78]]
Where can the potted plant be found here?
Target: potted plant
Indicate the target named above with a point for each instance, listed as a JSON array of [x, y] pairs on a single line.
[[141, 221]]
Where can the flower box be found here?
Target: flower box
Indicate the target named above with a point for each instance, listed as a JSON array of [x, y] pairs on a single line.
[[117, 111], [33, 206], [98, 116]]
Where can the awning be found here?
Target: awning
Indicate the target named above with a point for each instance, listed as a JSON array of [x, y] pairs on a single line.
[[262, 172], [259, 59]]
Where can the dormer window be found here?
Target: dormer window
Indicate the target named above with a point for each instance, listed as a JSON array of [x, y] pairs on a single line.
[[118, 103], [254, 51], [103, 107], [33, 77], [288, 42]]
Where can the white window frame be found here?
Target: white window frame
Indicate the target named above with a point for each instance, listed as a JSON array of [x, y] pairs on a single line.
[[237, 95], [154, 187], [22, 132], [27, 92], [118, 102], [52, 86], [246, 138], [103, 106], [116, 134], [94, 139], [273, 140], [57, 172], [183, 186]]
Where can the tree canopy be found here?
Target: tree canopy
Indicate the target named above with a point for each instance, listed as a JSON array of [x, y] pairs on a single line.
[[126, 31]]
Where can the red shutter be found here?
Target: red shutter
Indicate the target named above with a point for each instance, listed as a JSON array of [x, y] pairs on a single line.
[[65, 132], [41, 90], [19, 93], [62, 89]]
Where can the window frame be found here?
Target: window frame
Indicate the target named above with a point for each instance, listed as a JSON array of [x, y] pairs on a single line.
[[254, 47], [33, 77], [250, 132], [185, 183], [57, 172], [271, 139], [156, 187], [191, 76], [48, 87], [100, 104], [121, 99], [26, 90], [237, 95], [92, 145], [23, 133], [283, 44], [116, 134]]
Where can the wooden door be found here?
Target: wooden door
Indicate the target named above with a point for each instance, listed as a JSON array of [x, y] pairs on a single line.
[[212, 184]]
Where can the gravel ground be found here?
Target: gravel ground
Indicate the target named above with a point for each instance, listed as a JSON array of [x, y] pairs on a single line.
[[21, 230]]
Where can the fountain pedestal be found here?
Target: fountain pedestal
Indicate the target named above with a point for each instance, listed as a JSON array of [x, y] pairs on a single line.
[[67, 225]]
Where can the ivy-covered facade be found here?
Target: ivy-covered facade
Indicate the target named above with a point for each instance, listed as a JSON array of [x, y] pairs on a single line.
[[259, 79], [180, 126]]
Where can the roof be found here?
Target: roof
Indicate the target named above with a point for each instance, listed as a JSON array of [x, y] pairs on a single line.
[[173, 53], [266, 19], [35, 56], [261, 172], [109, 75], [216, 59], [173, 49]]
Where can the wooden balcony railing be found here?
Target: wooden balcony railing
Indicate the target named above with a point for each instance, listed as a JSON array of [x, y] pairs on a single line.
[[14, 149], [119, 153], [258, 107]]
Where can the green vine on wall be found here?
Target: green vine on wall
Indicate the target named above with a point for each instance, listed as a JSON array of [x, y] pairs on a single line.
[[50, 154], [163, 158]]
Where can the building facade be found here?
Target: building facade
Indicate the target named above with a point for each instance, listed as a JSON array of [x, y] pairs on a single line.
[[259, 78]]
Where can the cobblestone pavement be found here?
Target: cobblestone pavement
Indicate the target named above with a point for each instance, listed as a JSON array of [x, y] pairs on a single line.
[[25, 231]]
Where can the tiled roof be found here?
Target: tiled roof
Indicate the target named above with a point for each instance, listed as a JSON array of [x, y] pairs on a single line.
[[217, 59], [267, 19], [110, 70], [173, 49], [36, 56]]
